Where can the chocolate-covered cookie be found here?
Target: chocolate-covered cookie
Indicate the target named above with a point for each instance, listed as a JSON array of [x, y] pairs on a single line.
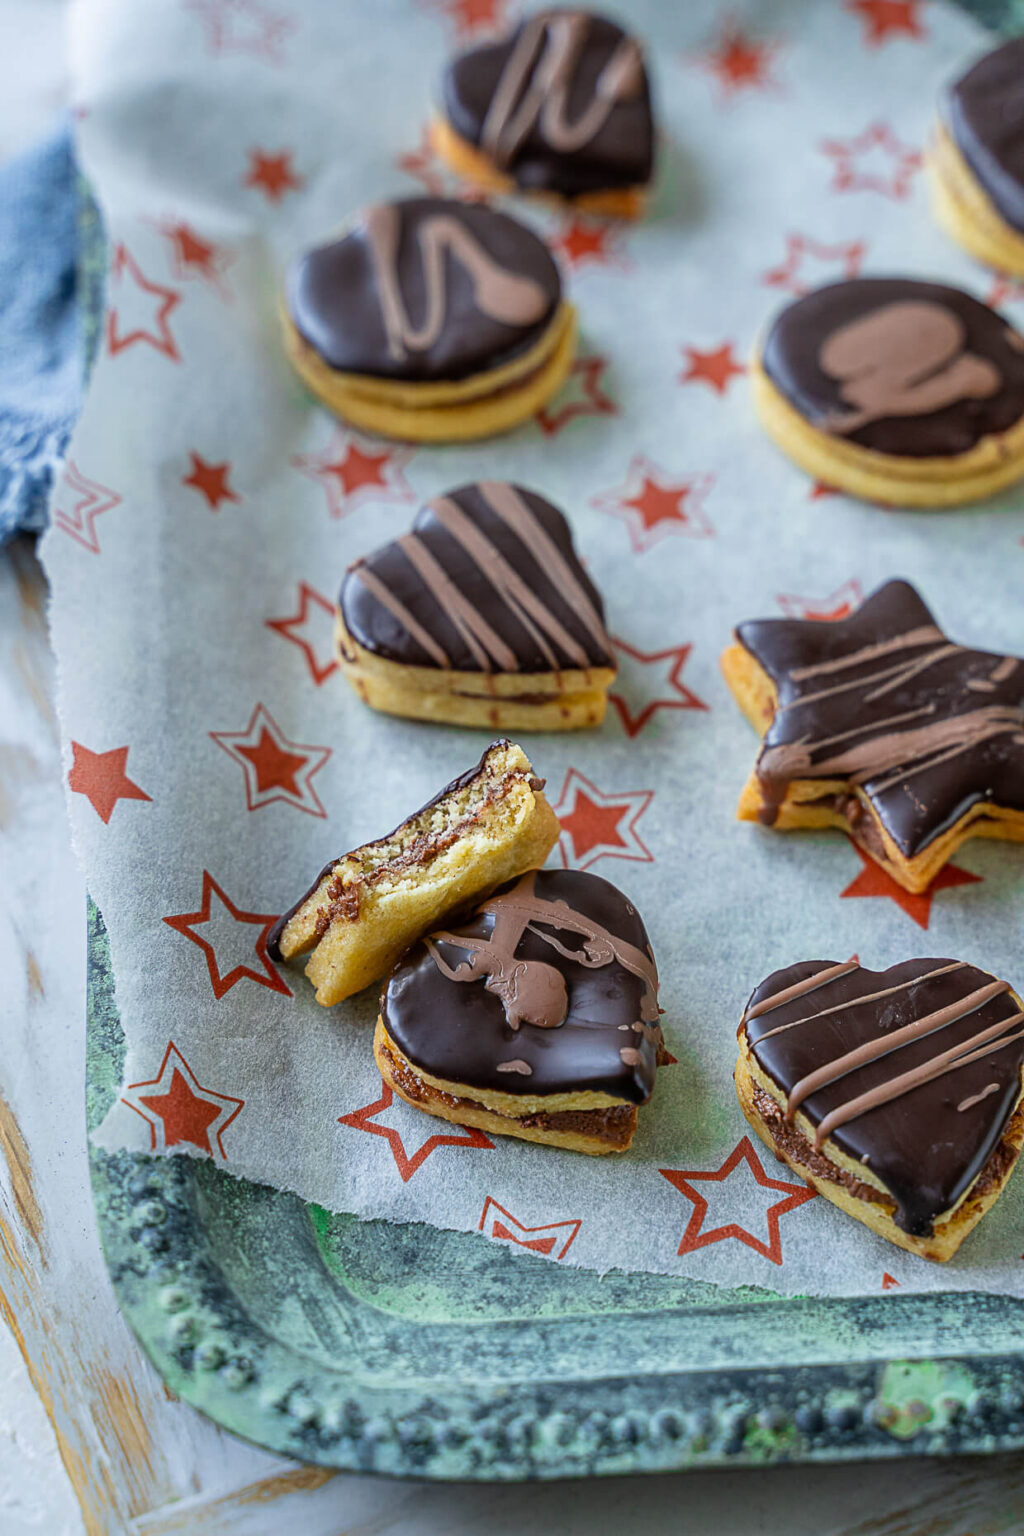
[[880, 725], [561, 105], [897, 1093], [481, 615], [535, 1016]]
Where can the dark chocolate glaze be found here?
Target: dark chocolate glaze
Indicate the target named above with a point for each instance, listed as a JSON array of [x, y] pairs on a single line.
[[984, 113], [566, 630], [924, 1147], [459, 1031], [989, 356], [335, 300], [621, 151], [960, 698]]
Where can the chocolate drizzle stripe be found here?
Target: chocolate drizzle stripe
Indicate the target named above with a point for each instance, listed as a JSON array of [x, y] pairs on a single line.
[[925, 634], [467, 618], [800, 989], [911, 670], [398, 610], [874, 725], [869, 997], [976, 1098], [901, 671], [975, 728]]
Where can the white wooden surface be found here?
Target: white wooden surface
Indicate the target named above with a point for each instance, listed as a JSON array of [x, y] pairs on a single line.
[[90, 1441]]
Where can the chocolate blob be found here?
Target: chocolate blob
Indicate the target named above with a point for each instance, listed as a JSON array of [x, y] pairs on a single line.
[[984, 113]]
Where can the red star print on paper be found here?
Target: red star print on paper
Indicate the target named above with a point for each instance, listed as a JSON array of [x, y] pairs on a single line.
[[501, 1225], [179, 1110], [873, 881], [211, 481], [581, 395], [649, 681], [819, 490], [887, 18], [470, 18], [740, 62], [273, 175], [809, 264], [599, 825], [194, 257], [652, 505], [353, 470], [274, 767], [875, 161], [889, 1282], [78, 502], [243, 26], [716, 368], [838, 605], [139, 310], [101, 778], [312, 630], [423, 164], [582, 241], [1004, 290], [413, 1124], [745, 1160], [229, 945]]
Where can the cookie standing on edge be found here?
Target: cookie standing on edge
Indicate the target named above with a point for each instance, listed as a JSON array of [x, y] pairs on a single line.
[[976, 159], [896, 1094], [535, 1017], [561, 106], [880, 726], [482, 615], [367, 906], [895, 390], [431, 320]]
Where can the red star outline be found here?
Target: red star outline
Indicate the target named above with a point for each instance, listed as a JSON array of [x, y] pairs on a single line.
[[838, 605], [717, 368], [194, 258], [360, 1120], [101, 778], [849, 256], [93, 500], [210, 480], [545, 1245], [354, 469], [685, 698], [214, 1119], [887, 18], [248, 748], [590, 400], [273, 175], [694, 1237], [738, 61], [580, 801], [470, 18], [218, 18], [308, 596], [161, 340], [645, 505], [873, 880], [579, 241], [843, 153], [185, 922]]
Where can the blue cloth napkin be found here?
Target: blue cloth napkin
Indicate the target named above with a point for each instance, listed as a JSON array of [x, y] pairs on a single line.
[[41, 357]]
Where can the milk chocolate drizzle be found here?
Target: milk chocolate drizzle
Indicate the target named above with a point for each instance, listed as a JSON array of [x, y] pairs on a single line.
[[895, 1074], [984, 112]]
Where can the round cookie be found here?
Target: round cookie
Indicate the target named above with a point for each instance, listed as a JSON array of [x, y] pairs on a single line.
[[560, 106], [899, 391], [430, 320], [976, 159]]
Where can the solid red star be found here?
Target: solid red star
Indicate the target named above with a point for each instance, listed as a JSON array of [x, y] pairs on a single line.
[[820, 489], [597, 825], [471, 17], [1004, 290], [874, 161], [667, 686], [652, 506], [351, 471], [694, 1237], [827, 263], [887, 18], [275, 768], [152, 302], [838, 605], [211, 480], [101, 778], [581, 240], [88, 499], [581, 395], [407, 1163], [888, 1281], [553, 1233], [314, 610], [194, 257], [273, 175], [181, 1110], [716, 368], [740, 62], [243, 26], [874, 881], [228, 924]]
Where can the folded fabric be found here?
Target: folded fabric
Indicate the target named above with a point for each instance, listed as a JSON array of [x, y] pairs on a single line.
[[41, 353]]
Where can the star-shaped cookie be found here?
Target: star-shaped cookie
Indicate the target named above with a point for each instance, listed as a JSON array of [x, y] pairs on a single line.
[[880, 725]]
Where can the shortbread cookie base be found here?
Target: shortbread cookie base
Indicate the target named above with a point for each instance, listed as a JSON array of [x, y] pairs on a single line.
[[990, 466], [481, 406], [853, 1187], [371, 904], [820, 803], [962, 208], [507, 701], [469, 162], [593, 1123]]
